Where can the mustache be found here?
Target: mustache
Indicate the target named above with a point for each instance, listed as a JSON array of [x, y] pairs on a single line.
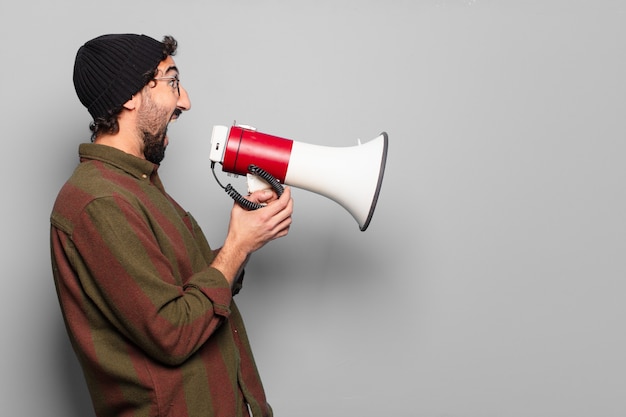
[[177, 113]]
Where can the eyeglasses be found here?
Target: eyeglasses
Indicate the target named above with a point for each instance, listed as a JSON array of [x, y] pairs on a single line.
[[174, 82]]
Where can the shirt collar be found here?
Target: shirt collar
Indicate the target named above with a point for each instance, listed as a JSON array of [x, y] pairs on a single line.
[[137, 167]]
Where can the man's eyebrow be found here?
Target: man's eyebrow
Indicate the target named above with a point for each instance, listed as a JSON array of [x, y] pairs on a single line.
[[170, 68]]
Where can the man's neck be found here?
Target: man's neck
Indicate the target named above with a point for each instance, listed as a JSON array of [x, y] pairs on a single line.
[[125, 143]]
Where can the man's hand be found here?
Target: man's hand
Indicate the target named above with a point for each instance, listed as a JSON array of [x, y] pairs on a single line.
[[249, 231]]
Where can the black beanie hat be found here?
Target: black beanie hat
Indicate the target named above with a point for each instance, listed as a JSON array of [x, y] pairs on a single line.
[[110, 68]]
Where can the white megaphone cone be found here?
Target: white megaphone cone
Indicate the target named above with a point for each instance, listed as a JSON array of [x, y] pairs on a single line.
[[351, 176]]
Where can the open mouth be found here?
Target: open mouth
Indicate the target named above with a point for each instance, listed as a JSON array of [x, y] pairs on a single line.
[[175, 115]]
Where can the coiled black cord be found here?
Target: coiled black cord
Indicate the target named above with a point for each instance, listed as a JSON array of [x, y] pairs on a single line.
[[241, 200]]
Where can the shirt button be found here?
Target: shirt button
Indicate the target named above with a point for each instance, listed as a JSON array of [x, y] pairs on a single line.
[[144, 176]]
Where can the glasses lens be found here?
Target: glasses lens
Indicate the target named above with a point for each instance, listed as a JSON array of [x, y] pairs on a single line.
[[173, 82]]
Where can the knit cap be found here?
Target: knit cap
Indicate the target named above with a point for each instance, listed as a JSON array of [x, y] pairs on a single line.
[[109, 69]]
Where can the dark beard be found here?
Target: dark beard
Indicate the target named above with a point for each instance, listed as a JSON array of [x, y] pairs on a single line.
[[154, 146]]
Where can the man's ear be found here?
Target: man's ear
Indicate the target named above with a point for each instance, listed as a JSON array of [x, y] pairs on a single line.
[[133, 103]]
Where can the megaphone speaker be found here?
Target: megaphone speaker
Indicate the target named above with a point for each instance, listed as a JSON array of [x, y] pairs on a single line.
[[351, 176]]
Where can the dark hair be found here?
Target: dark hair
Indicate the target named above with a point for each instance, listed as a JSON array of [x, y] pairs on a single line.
[[108, 124]]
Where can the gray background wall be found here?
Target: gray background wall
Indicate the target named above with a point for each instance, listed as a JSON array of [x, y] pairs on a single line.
[[491, 280]]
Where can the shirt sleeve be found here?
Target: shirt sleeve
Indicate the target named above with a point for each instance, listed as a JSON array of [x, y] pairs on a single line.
[[149, 279]]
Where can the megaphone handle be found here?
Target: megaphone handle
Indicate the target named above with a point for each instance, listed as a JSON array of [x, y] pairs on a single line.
[[244, 202], [269, 178]]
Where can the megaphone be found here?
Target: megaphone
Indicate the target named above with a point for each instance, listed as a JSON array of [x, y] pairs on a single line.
[[351, 176]]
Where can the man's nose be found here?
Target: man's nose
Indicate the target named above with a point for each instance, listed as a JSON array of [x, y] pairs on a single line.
[[183, 100]]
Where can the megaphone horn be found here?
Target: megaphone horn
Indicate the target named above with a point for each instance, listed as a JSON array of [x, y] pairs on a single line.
[[351, 176]]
